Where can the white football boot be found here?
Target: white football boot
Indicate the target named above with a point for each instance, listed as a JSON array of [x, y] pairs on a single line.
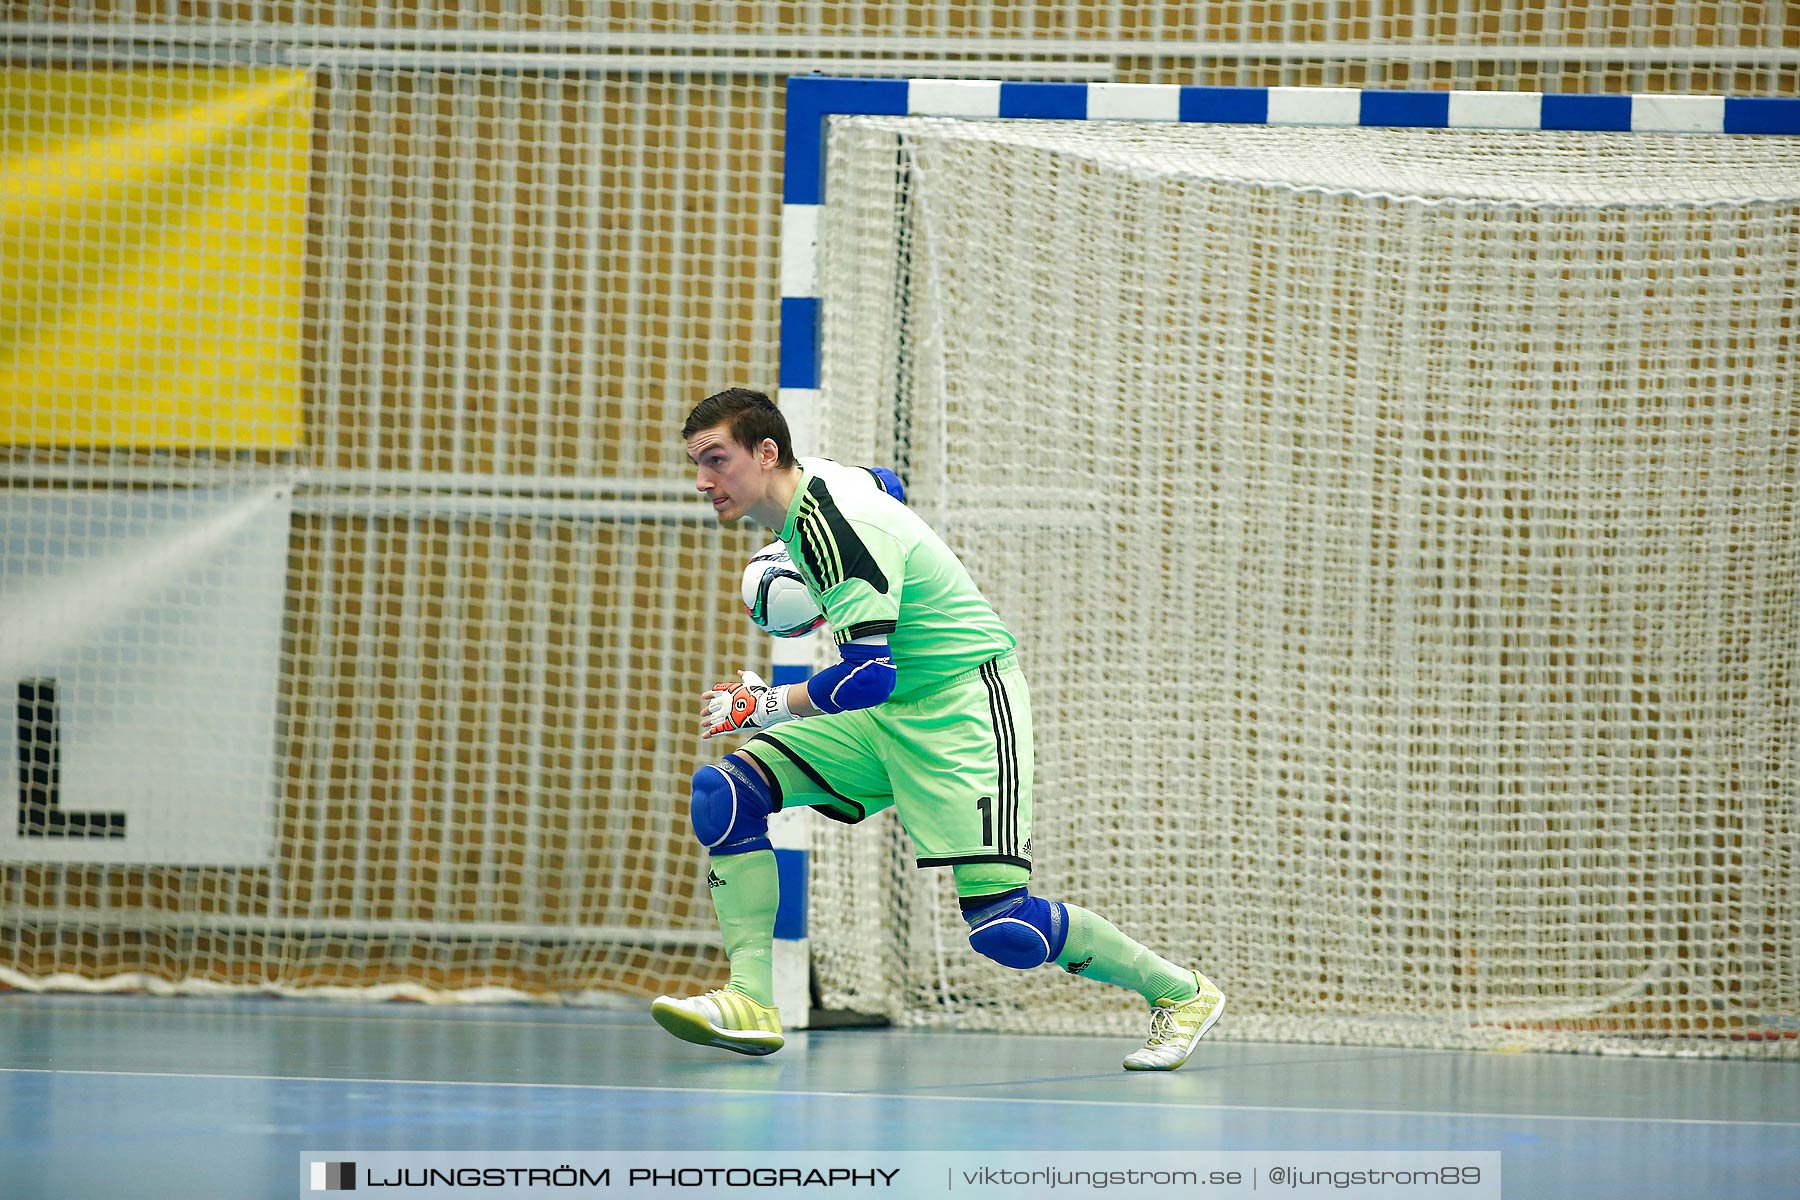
[[1176, 1028], [724, 1018]]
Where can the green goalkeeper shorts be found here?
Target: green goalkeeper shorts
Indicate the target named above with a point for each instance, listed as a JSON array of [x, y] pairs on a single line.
[[954, 763]]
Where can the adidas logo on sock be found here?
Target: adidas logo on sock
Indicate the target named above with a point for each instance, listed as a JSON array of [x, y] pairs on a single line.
[[1076, 968], [713, 880]]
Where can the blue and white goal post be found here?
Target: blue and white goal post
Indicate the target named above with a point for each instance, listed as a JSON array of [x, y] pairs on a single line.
[[813, 100]]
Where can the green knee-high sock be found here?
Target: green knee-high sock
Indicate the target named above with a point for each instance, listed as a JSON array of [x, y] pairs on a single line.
[[1099, 951], [745, 890]]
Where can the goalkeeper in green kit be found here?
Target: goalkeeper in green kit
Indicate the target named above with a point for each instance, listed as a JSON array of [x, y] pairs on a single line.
[[927, 711]]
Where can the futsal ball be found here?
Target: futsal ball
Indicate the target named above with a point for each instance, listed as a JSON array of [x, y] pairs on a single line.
[[776, 597]]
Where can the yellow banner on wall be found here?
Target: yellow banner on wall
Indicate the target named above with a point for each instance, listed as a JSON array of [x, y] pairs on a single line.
[[152, 252]]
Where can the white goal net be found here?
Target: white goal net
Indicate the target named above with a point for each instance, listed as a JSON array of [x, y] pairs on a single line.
[[1400, 530]]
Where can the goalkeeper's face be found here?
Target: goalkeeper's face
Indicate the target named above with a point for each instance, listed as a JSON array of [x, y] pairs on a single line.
[[735, 479]]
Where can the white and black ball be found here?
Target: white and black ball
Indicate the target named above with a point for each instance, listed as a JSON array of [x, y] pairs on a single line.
[[776, 597]]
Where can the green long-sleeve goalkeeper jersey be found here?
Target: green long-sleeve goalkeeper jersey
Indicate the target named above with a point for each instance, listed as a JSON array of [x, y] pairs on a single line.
[[876, 568]]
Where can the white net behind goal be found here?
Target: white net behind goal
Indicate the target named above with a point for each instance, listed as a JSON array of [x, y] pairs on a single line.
[[343, 518], [1399, 528]]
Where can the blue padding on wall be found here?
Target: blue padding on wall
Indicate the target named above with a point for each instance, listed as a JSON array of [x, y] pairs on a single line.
[[790, 911], [799, 342], [1228, 105], [1044, 101], [1419, 110], [1587, 112], [789, 673]]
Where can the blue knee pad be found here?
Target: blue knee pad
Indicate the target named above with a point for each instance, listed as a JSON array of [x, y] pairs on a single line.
[[1018, 930], [731, 808]]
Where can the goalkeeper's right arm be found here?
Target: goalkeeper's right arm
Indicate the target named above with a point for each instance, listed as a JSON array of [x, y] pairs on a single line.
[[863, 678]]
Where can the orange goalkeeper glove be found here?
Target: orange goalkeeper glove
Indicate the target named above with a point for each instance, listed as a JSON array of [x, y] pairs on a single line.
[[750, 704]]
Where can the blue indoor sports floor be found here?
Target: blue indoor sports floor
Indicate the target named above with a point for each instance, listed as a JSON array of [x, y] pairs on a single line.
[[130, 1096]]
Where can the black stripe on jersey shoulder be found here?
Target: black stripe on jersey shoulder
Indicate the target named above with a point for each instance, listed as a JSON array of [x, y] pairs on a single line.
[[810, 551], [835, 551], [813, 540]]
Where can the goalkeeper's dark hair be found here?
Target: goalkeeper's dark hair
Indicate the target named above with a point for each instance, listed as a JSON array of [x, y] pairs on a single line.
[[751, 416]]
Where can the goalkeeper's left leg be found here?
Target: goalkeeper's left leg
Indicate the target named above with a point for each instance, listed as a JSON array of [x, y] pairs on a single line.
[[1019, 930], [1023, 931]]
